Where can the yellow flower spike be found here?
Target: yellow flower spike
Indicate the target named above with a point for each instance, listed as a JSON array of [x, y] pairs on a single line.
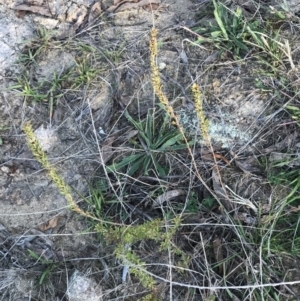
[[200, 113], [156, 82], [42, 158]]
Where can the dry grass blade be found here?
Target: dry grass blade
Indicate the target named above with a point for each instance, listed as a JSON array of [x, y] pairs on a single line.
[[242, 201]]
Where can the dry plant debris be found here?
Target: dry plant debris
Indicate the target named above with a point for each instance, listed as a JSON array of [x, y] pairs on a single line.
[[94, 12], [121, 5], [33, 8], [51, 224]]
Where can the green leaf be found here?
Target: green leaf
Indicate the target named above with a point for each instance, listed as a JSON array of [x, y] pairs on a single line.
[[162, 139], [160, 170], [116, 166], [281, 164], [219, 21], [239, 44], [136, 165], [208, 203], [256, 38], [147, 163], [280, 15], [171, 141], [139, 127], [203, 40], [216, 34], [44, 275], [33, 255], [238, 12], [237, 20], [293, 108], [179, 147], [235, 24], [15, 87], [150, 127]]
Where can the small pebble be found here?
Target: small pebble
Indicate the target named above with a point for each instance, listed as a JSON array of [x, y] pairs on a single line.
[[5, 169], [161, 66]]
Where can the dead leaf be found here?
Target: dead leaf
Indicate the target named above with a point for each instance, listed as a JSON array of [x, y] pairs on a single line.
[[120, 2], [167, 196], [290, 160], [131, 134], [153, 6], [265, 208], [79, 21], [37, 9], [206, 154], [195, 218], [184, 58], [216, 84], [284, 144], [218, 252], [128, 4], [107, 149], [33, 2], [125, 100], [52, 223], [94, 12], [138, 4], [248, 166], [20, 13], [72, 31], [245, 218], [219, 156], [219, 190]]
